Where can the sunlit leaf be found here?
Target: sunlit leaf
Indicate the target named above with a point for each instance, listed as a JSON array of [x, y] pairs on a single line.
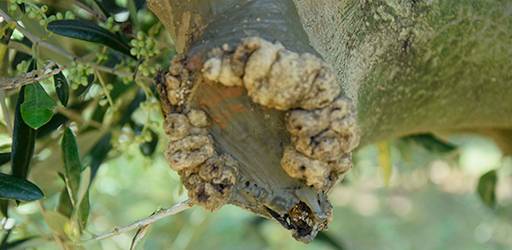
[[72, 165], [14, 188], [62, 88], [89, 31], [487, 188], [37, 108]]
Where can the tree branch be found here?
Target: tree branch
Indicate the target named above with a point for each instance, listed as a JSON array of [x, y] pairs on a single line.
[[48, 70], [177, 208], [37, 40]]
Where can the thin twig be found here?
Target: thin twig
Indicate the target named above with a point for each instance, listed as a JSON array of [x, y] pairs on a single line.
[[78, 118], [47, 71], [105, 89], [179, 207]]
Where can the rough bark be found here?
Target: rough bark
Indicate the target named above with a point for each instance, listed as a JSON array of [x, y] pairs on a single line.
[[416, 66], [409, 66]]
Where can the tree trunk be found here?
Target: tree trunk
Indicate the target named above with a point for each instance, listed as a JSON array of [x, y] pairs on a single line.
[[407, 65], [416, 66]]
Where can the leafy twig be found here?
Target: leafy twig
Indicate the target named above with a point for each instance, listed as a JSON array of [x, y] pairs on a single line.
[[40, 42], [35, 39], [179, 207], [48, 70]]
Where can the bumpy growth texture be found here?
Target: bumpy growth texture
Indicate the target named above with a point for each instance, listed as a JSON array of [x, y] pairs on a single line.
[[321, 122], [319, 119]]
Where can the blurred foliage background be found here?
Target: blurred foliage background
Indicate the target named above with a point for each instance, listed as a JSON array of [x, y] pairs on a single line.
[[90, 140]]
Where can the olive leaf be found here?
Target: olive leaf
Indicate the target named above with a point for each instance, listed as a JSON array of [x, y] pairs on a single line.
[[14, 188], [23, 138], [431, 143], [65, 207], [487, 188], [17, 244], [75, 202], [5, 157], [62, 88], [83, 196], [37, 108], [89, 31], [72, 165], [333, 242], [4, 207], [83, 211]]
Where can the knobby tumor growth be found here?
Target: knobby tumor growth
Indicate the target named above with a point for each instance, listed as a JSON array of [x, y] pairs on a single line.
[[317, 119]]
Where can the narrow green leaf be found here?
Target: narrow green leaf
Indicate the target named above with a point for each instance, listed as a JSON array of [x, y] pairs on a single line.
[[62, 88], [85, 181], [89, 31], [4, 207], [65, 207], [83, 211], [4, 158], [23, 139], [431, 143], [487, 188], [14, 188], [37, 108], [18, 243], [72, 165]]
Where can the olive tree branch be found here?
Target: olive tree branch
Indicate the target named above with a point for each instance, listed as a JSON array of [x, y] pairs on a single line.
[[160, 214], [47, 71], [40, 42], [36, 40]]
